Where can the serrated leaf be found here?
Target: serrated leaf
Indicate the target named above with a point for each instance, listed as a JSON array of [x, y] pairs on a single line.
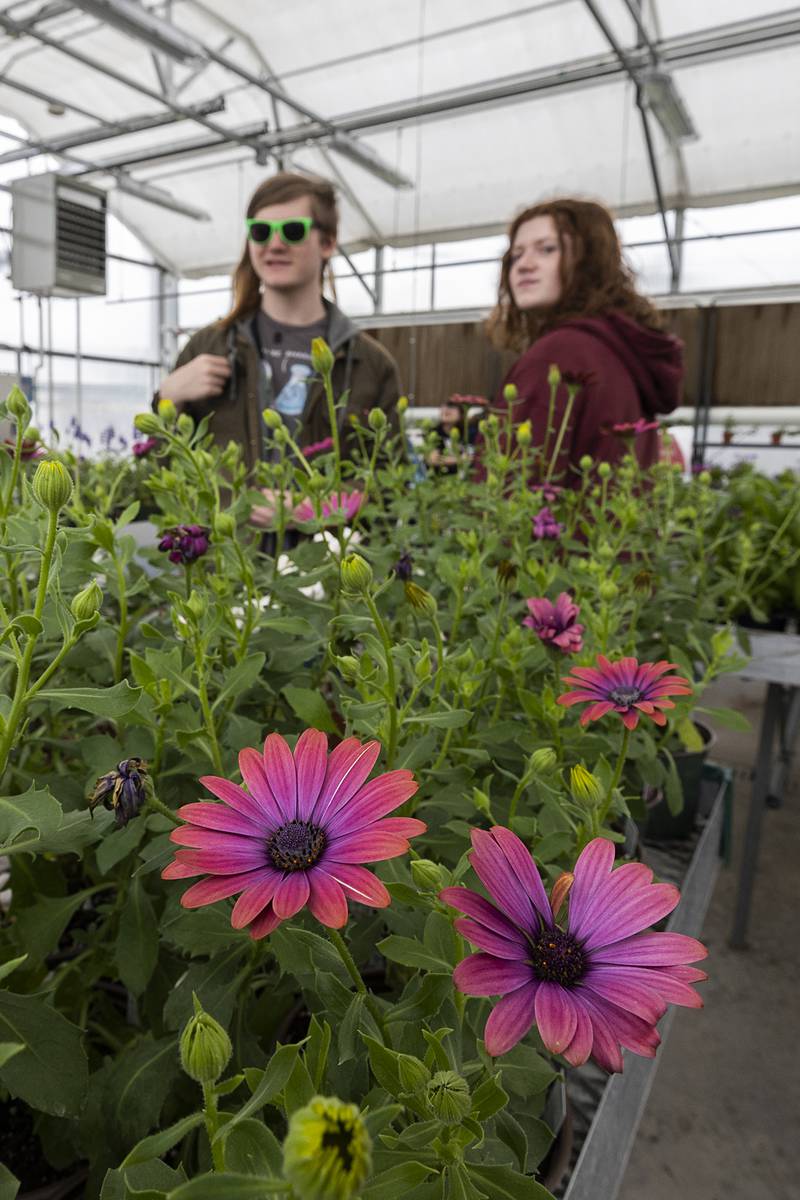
[[35, 810], [50, 1073], [226, 1185], [41, 925], [138, 1084]]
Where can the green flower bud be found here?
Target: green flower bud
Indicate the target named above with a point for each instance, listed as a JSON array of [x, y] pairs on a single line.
[[493, 422], [510, 393], [420, 600], [554, 375], [224, 525], [605, 553], [402, 404], [321, 356], [52, 485], [584, 786], [414, 1075], [17, 407], [196, 605], [348, 665], [87, 602], [167, 410], [525, 434], [356, 574], [604, 470], [280, 436], [205, 1047], [448, 1095], [429, 876], [483, 427], [481, 802], [377, 420], [327, 1154], [455, 435], [705, 478], [586, 462], [608, 590], [147, 423], [272, 418], [185, 425], [543, 760]]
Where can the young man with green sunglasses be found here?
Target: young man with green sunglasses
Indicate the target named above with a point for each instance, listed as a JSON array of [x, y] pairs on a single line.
[[259, 355]]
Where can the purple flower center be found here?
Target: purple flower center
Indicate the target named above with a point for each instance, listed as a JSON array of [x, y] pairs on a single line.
[[558, 958], [625, 696], [296, 846]]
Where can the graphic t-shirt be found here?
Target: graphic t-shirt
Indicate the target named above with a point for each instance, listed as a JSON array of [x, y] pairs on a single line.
[[286, 358]]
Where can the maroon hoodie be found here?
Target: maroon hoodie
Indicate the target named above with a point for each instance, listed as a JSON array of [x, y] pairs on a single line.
[[632, 373]]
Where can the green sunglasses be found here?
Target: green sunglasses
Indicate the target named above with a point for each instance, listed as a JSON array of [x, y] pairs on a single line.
[[292, 230]]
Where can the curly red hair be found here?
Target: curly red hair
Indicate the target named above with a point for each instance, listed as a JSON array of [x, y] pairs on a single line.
[[594, 276]]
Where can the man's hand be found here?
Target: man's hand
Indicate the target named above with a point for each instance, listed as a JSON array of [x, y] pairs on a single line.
[[203, 377]]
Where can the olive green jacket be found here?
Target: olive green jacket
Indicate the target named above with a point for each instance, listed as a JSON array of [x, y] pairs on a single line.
[[362, 368]]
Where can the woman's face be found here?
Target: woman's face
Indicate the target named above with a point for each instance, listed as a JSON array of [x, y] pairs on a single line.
[[293, 267], [534, 277]]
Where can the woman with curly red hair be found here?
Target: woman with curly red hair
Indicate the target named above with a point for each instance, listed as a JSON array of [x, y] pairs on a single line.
[[567, 299]]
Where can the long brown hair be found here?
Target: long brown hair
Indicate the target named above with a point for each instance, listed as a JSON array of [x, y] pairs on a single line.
[[594, 276], [280, 189]]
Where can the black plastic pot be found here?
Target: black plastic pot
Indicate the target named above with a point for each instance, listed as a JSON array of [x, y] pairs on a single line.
[[660, 824]]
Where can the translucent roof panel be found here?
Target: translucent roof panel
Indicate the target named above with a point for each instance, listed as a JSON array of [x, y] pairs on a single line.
[[482, 109]]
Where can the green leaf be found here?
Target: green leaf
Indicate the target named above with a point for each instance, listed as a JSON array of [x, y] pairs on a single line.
[[129, 514], [35, 810], [673, 788], [728, 717], [310, 707], [214, 981], [316, 1053], [691, 738], [118, 844], [299, 1088], [203, 930], [112, 702], [252, 1149], [9, 1184], [50, 1073], [410, 953], [228, 1186], [241, 677], [503, 1183], [158, 1143], [28, 624], [8, 1050], [511, 1133], [136, 949], [489, 1098], [272, 1082], [452, 718], [396, 1181], [12, 964], [462, 1187], [297, 626], [138, 1084], [41, 925], [146, 1181], [425, 997]]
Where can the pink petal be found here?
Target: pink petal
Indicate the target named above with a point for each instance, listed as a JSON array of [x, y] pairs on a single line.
[[556, 1018], [636, 910], [179, 870], [232, 794], [501, 882], [685, 974], [579, 1049], [629, 993], [255, 899], [510, 1020], [484, 975], [608, 894], [524, 868], [469, 902], [629, 1030], [348, 767], [651, 949], [212, 839], [326, 900], [218, 887], [219, 816], [405, 827], [365, 847], [630, 719], [290, 894], [374, 800], [668, 988], [219, 862], [606, 1050], [599, 710], [264, 925], [310, 761], [281, 775], [592, 867], [251, 766], [359, 883], [493, 943]]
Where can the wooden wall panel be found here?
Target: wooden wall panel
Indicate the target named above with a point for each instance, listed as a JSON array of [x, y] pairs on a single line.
[[758, 355]]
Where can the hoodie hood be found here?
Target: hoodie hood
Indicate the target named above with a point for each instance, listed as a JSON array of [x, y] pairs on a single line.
[[653, 359]]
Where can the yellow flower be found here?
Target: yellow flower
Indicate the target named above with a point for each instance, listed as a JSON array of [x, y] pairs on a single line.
[[327, 1154]]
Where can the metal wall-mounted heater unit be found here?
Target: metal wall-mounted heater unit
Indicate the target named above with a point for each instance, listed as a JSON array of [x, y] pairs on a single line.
[[59, 237]]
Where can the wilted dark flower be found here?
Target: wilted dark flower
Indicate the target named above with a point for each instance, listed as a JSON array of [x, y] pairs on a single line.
[[644, 582], [546, 526], [506, 572], [404, 566], [419, 599], [143, 448], [123, 790], [185, 543]]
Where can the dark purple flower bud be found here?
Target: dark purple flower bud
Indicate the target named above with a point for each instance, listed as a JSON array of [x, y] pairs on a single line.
[[185, 543], [404, 566], [143, 448], [546, 526]]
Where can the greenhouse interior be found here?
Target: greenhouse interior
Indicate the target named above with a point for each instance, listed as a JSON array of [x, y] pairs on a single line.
[[399, 503]]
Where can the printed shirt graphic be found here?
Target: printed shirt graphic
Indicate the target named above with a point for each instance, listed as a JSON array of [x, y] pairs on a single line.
[[286, 357]]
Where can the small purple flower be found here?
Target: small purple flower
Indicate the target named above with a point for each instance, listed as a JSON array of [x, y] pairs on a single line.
[[143, 448], [555, 623], [107, 437], [549, 491], [185, 543], [546, 526], [404, 567]]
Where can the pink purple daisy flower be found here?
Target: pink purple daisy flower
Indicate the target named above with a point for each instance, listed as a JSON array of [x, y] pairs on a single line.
[[627, 429], [555, 623], [343, 503], [545, 525], [627, 687], [315, 448], [591, 987], [298, 835]]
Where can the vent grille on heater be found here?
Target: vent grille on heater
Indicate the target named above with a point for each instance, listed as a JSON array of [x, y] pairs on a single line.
[[59, 242], [80, 238]]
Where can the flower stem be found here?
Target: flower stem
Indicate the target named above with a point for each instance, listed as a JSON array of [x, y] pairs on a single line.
[[391, 679], [571, 394], [212, 1124], [157, 805], [119, 657], [361, 987], [205, 706], [616, 777], [327, 383]]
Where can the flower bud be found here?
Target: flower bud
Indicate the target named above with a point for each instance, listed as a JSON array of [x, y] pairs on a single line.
[[348, 665], [402, 404], [196, 605], [481, 802], [18, 407], [525, 434], [272, 418], [608, 590], [604, 470], [52, 485], [224, 525], [554, 375], [185, 425], [510, 393], [327, 1153], [205, 1047], [605, 552], [167, 410], [356, 574], [543, 760], [321, 356], [493, 422], [448, 1095], [377, 420], [147, 423], [705, 478], [420, 600], [280, 436], [87, 602], [584, 786], [429, 876], [586, 462]]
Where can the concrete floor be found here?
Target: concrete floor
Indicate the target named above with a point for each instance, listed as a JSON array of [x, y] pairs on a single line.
[[721, 1122]]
